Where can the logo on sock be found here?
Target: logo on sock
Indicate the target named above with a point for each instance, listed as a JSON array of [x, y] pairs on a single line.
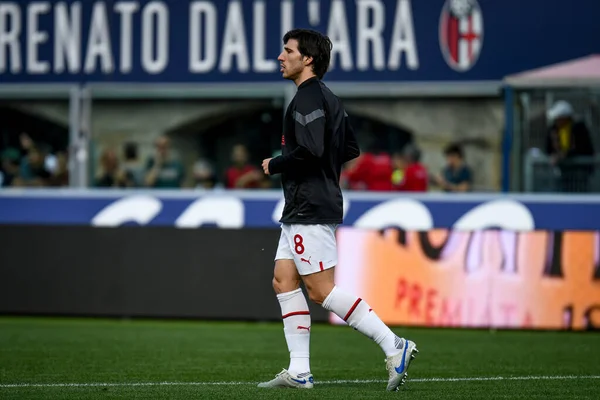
[[306, 261], [304, 327]]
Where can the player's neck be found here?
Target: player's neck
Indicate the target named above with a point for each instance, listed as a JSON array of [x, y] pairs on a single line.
[[303, 77]]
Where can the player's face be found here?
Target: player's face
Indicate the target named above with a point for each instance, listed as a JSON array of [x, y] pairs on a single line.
[[290, 60]]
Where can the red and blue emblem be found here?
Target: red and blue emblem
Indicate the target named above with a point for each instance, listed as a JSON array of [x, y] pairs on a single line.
[[461, 33]]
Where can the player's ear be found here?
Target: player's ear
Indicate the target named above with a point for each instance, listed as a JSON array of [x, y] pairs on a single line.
[[307, 60]]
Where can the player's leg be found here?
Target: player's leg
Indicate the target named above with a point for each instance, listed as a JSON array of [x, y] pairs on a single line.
[[352, 309], [295, 315], [321, 288], [296, 320]]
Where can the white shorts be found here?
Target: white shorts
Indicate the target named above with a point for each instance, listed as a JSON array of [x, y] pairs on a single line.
[[312, 247]]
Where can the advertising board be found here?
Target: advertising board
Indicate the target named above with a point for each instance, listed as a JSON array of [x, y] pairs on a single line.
[[497, 279]]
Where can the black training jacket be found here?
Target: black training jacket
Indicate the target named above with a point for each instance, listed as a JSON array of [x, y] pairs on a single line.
[[317, 140]]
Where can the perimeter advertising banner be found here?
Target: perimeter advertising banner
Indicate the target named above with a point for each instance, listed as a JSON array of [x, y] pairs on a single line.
[[233, 209], [498, 279]]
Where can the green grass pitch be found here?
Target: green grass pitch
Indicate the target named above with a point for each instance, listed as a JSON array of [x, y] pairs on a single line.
[[110, 359]]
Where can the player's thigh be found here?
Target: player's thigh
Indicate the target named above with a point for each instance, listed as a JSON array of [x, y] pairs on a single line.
[[313, 247], [285, 274]]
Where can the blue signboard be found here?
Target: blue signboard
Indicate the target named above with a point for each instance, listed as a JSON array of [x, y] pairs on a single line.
[[238, 209], [239, 41]]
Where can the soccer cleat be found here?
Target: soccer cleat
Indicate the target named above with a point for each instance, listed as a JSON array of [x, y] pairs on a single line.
[[397, 365], [286, 380]]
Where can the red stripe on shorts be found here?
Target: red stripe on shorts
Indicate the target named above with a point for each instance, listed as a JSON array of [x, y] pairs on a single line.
[[296, 313], [352, 309], [321, 265]]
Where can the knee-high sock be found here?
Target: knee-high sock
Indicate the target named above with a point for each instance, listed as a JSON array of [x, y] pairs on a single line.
[[357, 313], [296, 327]]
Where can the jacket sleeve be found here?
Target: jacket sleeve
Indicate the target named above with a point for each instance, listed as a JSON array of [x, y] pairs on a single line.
[[309, 127], [294, 159], [351, 149]]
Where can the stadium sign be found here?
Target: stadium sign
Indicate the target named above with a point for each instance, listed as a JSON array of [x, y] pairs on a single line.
[[234, 40]]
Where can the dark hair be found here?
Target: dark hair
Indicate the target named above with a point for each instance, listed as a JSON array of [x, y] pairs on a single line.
[[454, 149], [412, 152], [312, 44]]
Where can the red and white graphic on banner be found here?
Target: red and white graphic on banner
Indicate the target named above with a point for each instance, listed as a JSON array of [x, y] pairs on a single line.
[[461, 33]]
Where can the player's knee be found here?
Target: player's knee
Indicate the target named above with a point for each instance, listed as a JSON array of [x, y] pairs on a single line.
[[276, 285], [317, 294], [284, 285], [319, 285]]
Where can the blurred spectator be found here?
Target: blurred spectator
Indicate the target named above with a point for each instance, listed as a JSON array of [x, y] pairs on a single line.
[[456, 176], [60, 175], [162, 170], [9, 166], [409, 174], [50, 160], [26, 143], [33, 171], [204, 175], [131, 163], [31, 163], [567, 139], [110, 174], [242, 175], [370, 171]]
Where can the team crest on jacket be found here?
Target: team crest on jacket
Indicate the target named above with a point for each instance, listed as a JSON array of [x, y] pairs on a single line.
[[461, 33]]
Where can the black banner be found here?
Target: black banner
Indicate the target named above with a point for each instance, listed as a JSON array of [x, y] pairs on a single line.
[[140, 272]]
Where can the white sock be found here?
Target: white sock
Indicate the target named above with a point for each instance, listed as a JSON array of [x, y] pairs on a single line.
[[357, 313], [296, 327]]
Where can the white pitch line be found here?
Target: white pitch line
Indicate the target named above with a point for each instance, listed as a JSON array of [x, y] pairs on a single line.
[[331, 382]]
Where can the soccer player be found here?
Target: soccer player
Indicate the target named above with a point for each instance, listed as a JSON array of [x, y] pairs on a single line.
[[317, 140]]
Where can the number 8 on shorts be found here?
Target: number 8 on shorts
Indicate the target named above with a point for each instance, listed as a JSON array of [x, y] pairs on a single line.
[[298, 244]]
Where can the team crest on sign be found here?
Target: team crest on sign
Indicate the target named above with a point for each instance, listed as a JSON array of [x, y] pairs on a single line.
[[461, 33]]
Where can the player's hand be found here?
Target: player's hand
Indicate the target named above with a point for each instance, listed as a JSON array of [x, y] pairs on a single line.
[[265, 165]]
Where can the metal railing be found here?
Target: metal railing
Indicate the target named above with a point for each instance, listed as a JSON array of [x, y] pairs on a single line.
[[573, 175]]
